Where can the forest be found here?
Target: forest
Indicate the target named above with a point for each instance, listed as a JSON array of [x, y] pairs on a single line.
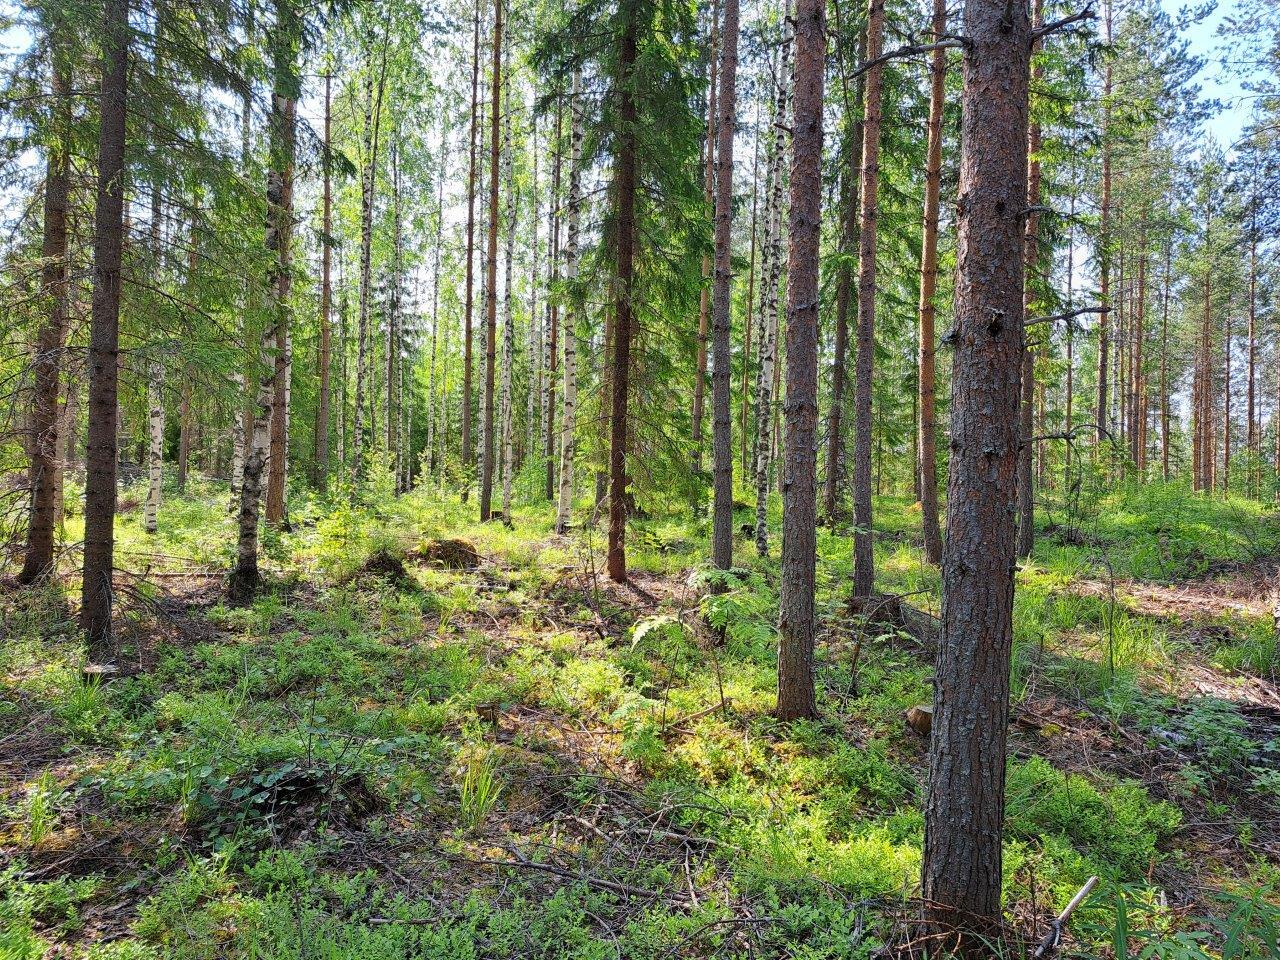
[[494, 479]]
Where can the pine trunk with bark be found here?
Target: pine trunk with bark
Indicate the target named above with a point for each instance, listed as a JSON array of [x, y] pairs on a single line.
[[568, 448], [967, 753], [506, 405], [1030, 258], [704, 299], [796, 696], [155, 446]]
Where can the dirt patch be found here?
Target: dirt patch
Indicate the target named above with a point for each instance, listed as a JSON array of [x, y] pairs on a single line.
[[450, 554]]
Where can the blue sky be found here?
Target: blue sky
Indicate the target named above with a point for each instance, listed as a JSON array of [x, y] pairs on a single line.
[[1218, 79]]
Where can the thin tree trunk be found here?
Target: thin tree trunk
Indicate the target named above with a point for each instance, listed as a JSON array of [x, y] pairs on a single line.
[[46, 469], [550, 340], [491, 284], [155, 446], [704, 300], [568, 448], [184, 432], [245, 578], [1030, 260], [1252, 352], [749, 314], [721, 413], [1164, 360], [368, 179], [506, 404], [771, 270], [469, 302], [864, 574], [321, 447], [927, 434], [967, 751], [279, 429], [394, 338], [104, 337], [533, 393], [625, 198], [796, 695], [1104, 243]]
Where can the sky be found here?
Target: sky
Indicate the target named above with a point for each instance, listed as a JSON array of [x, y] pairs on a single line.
[[1217, 79]]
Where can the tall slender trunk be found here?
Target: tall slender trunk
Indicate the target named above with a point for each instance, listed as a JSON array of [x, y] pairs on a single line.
[[184, 431], [864, 574], [506, 412], [325, 362], [1104, 242], [155, 446], [625, 219], [967, 753], [533, 392], [368, 180], [796, 695], [491, 283], [1030, 260], [278, 458], [1068, 420], [242, 417], [104, 337], [1252, 353], [1138, 433], [433, 456], [245, 577], [1226, 400], [394, 338], [850, 189], [927, 433], [1164, 360], [704, 300], [469, 302], [721, 317], [568, 448], [749, 314], [550, 340], [771, 271], [45, 468]]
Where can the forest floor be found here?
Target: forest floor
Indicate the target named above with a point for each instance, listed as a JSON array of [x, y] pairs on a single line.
[[403, 750]]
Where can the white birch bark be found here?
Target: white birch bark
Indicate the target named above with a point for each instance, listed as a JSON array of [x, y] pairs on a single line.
[[505, 406]]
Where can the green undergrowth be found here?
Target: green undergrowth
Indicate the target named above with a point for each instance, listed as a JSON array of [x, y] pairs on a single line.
[[270, 775]]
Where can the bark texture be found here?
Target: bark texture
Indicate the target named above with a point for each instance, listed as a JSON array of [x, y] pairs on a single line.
[[721, 415], [796, 697], [104, 337], [965, 809]]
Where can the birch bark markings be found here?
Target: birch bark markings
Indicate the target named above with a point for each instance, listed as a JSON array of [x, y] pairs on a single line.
[[325, 360], [722, 449], [796, 697], [506, 412], [469, 302], [771, 272]]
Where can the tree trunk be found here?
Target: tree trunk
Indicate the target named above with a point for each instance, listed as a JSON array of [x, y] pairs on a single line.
[[1164, 360], [1104, 243], [721, 415], [796, 696], [506, 400], [850, 189], [550, 340], [104, 337], [927, 434], [568, 448], [709, 180], [864, 574], [46, 469], [245, 578], [1030, 260], [155, 446], [394, 339], [967, 754], [469, 302], [368, 178], [771, 272], [625, 198], [491, 283], [321, 448], [278, 458]]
